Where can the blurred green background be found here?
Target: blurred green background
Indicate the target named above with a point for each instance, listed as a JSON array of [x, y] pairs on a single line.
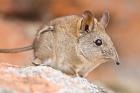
[[20, 19]]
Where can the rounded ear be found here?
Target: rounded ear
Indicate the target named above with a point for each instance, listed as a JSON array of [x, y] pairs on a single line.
[[87, 22], [105, 19]]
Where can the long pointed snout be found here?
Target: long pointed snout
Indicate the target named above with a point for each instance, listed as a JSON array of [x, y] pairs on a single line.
[[117, 61], [115, 56]]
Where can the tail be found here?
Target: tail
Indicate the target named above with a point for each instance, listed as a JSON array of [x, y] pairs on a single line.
[[16, 50]]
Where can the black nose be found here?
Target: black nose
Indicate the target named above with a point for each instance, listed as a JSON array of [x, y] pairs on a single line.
[[117, 63]]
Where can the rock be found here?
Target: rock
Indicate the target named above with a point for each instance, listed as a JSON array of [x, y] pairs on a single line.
[[42, 79]]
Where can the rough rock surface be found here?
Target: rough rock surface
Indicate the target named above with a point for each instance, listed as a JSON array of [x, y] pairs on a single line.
[[42, 79]]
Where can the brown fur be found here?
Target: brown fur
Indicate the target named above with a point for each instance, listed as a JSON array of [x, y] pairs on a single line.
[[68, 44]]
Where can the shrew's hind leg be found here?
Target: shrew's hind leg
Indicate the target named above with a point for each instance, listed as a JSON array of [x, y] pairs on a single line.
[[36, 62]]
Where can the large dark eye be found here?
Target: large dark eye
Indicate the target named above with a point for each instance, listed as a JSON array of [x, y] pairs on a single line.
[[98, 42]]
